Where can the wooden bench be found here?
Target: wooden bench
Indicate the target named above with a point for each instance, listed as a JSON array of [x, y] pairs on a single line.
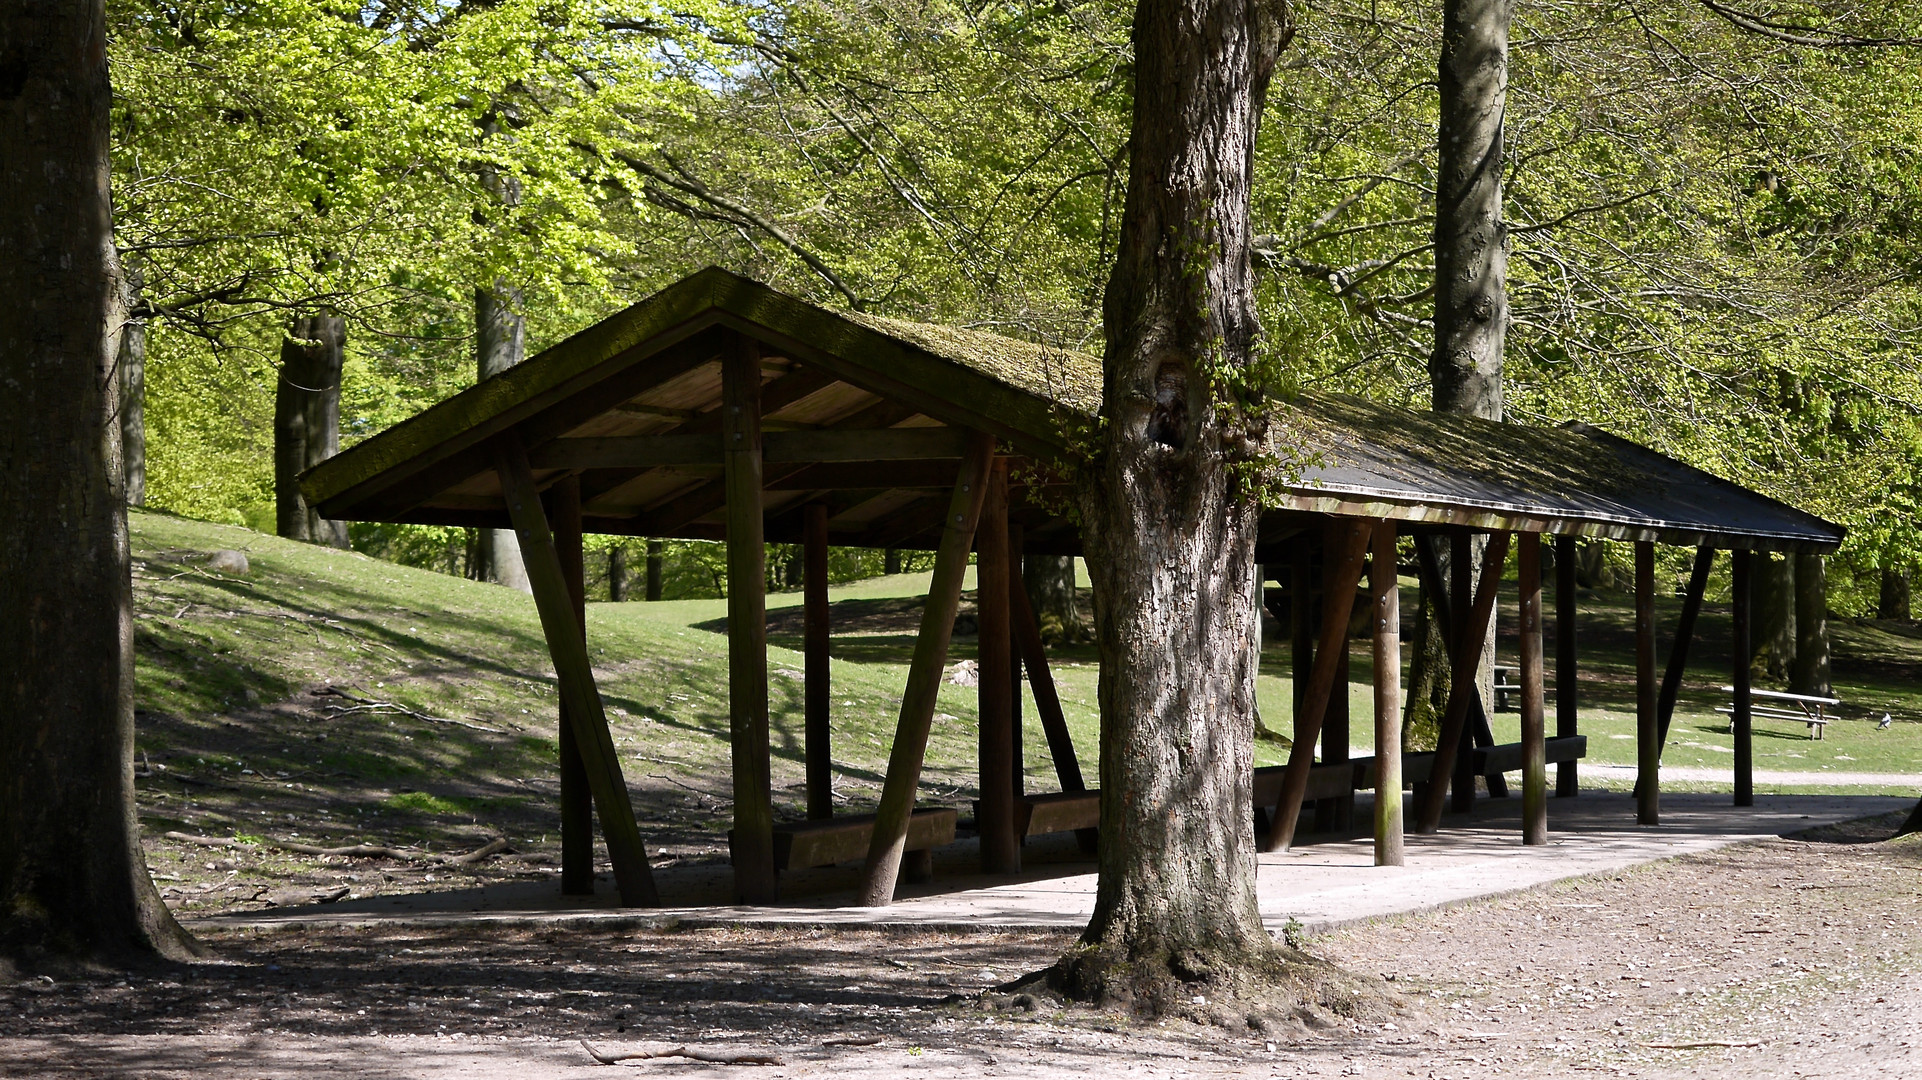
[[825, 842], [1507, 757], [1507, 682], [1803, 708]]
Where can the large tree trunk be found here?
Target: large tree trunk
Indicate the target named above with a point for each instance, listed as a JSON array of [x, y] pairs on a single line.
[[1471, 240], [132, 366], [1810, 672], [307, 423], [1050, 583], [500, 342], [1894, 601], [72, 877], [1172, 557], [1774, 637]]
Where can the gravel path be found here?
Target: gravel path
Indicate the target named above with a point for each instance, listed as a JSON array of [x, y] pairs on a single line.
[[1899, 783]]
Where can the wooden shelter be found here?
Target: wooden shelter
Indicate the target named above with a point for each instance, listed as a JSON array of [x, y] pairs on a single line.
[[721, 409]]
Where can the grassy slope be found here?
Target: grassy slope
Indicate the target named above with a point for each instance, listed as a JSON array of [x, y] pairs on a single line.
[[239, 742]]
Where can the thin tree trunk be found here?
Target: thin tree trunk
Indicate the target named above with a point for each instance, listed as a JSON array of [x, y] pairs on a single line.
[[1427, 680], [307, 422], [1810, 672], [500, 342], [1894, 601], [617, 574], [1050, 583], [132, 365], [891, 561], [1774, 635], [73, 880], [656, 549], [1173, 562]]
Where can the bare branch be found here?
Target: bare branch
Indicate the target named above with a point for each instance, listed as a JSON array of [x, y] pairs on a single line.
[[1810, 36]]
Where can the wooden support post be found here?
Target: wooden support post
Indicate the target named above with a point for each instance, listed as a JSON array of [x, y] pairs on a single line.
[[1047, 701], [1385, 591], [577, 802], [1301, 627], [752, 838], [1429, 567], [1461, 779], [1567, 724], [1000, 845], [1337, 814], [1534, 720], [1346, 544], [1464, 658], [1684, 633], [1648, 747], [632, 877], [816, 631], [1016, 584], [1741, 718], [890, 837]]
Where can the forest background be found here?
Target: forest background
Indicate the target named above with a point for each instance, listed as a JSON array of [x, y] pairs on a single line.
[[1716, 234]]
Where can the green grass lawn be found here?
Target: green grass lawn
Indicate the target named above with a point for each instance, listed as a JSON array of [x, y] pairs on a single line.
[[460, 741]]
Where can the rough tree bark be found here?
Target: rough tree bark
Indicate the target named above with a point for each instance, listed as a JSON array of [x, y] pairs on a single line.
[[1809, 674], [132, 367], [72, 879], [617, 574], [1173, 559], [1427, 695], [500, 342], [1774, 603], [1049, 580], [1894, 601], [307, 422], [1471, 239], [656, 550]]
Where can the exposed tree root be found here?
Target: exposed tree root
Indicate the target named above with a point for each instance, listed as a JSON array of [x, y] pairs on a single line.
[[493, 847], [688, 1052], [1263, 990]]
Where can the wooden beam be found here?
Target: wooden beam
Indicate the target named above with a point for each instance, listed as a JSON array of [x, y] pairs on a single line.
[[785, 447], [1648, 746], [815, 635], [1346, 545], [1385, 593], [627, 452], [576, 675], [1741, 718], [1567, 723], [1337, 813], [889, 840], [1047, 701], [753, 834], [1463, 660], [577, 802], [1017, 544], [1534, 719], [1000, 845]]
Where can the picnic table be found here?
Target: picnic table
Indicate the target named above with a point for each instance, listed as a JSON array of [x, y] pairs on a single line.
[[1810, 709]]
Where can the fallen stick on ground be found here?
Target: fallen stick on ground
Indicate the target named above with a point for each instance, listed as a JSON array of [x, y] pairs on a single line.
[[369, 705], [853, 1040], [354, 851], [1711, 1045], [688, 1052]]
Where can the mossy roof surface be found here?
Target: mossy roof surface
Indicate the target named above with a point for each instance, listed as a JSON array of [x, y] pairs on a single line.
[[1357, 449]]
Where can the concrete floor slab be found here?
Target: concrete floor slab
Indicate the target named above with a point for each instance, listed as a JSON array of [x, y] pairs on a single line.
[[1321, 884]]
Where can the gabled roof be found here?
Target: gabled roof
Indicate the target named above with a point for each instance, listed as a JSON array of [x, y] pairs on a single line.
[[866, 414]]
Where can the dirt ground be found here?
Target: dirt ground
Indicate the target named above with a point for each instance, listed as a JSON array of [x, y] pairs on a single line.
[[1777, 959]]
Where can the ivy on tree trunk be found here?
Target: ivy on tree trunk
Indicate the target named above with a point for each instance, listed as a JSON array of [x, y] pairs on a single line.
[[1172, 519]]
